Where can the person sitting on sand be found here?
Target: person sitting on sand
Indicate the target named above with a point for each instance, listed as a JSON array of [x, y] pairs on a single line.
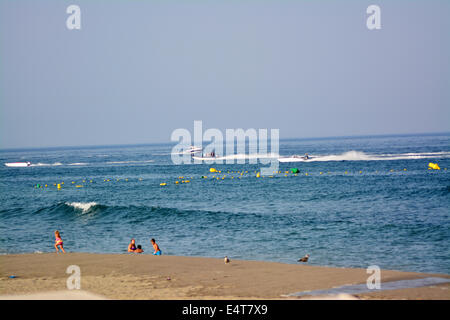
[[139, 249], [156, 247], [132, 246], [58, 242]]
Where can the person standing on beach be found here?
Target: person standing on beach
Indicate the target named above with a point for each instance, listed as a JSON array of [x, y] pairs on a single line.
[[58, 242], [156, 248]]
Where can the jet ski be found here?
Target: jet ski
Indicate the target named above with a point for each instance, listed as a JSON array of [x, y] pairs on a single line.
[[296, 158]]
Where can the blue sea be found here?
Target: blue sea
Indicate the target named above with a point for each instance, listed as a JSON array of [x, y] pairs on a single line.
[[362, 201]]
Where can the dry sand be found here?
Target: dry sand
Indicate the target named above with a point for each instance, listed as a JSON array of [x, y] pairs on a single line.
[[134, 276]]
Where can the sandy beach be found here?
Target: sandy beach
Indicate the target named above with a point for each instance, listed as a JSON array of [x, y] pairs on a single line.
[[132, 276]]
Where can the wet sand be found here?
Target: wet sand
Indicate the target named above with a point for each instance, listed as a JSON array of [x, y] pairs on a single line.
[[134, 276]]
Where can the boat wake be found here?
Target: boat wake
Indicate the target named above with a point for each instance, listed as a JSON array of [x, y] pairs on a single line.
[[239, 156], [362, 156]]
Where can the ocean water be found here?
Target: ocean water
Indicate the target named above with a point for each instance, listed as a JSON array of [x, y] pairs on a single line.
[[363, 201]]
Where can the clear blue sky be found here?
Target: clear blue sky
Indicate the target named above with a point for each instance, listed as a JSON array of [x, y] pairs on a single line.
[[137, 70]]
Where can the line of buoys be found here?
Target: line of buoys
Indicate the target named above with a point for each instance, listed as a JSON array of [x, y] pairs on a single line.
[[293, 171]]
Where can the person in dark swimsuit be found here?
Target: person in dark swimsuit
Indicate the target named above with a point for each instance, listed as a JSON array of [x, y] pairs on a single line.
[[132, 246]]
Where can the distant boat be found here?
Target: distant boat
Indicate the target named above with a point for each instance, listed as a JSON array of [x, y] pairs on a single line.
[[18, 164]]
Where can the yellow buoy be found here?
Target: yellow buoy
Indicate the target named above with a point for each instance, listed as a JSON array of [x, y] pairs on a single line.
[[212, 170], [162, 184], [258, 175], [58, 186], [434, 166]]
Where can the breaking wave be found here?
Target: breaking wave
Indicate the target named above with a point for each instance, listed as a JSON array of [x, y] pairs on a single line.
[[83, 206]]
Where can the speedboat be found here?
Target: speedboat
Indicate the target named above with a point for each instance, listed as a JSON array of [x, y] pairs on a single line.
[[18, 164], [209, 156]]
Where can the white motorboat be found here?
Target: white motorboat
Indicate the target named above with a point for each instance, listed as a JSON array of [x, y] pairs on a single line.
[[18, 164]]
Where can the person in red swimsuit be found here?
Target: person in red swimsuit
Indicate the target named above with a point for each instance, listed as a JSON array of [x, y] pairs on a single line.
[[58, 242]]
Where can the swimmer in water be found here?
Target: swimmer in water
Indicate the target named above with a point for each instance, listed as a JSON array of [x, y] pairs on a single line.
[[58, 242], [157, 251], [132, 246], [139, 249]]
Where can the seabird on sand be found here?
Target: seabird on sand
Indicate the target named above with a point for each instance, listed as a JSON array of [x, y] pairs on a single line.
[[226, 260]]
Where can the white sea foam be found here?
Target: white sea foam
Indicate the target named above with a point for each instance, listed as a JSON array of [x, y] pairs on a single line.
[[239, 156], [83, 206], [78, 164], [362, 156], [130, 161], [39, 164]]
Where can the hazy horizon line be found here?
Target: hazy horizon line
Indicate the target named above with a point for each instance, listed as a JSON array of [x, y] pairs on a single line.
[[281, 139]]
